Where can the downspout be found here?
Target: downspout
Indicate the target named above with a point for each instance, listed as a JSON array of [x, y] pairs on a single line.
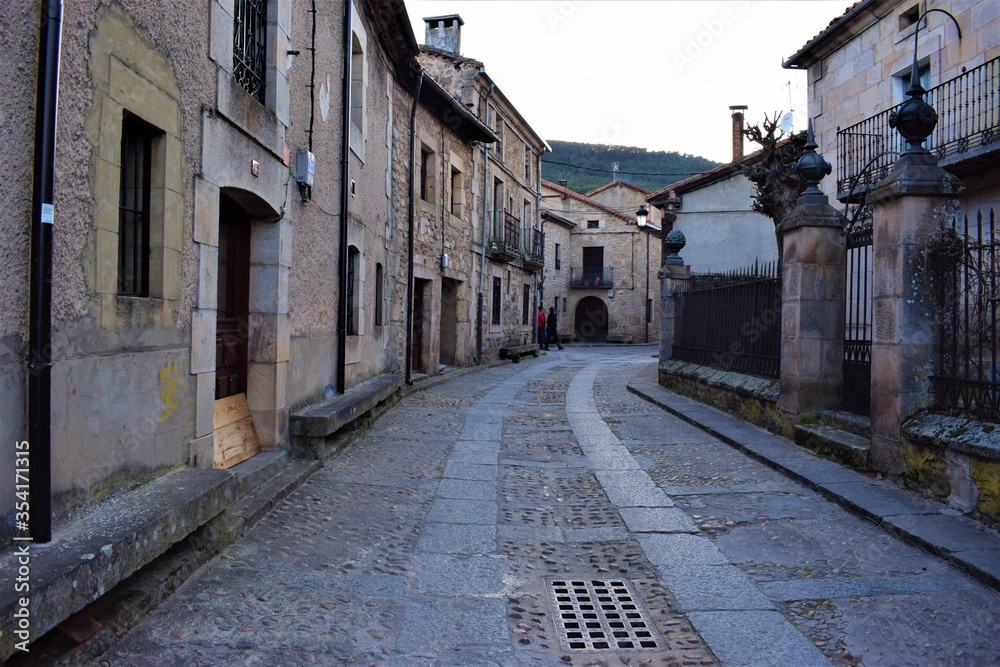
[[409, 233], [40, 314], [482, 259], [345, 184], [538, 226]]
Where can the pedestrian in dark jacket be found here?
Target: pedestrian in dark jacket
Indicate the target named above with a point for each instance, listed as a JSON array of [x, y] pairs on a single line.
[[552, 329], [542, 342]]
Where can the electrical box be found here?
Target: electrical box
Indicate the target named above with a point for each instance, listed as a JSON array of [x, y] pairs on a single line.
[[305, 168]]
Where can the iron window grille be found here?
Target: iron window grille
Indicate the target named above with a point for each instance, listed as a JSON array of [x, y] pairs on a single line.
[[249, 45], [526, 306], [495, 313], [133, 209]]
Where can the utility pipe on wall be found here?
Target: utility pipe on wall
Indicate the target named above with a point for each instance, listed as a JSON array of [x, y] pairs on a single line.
[[345, 198], [40, 316]]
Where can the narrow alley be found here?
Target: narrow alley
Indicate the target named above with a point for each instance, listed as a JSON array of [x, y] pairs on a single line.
[[541, 514]]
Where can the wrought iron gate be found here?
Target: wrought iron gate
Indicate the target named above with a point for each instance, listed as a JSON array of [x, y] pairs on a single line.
[[858, 322]]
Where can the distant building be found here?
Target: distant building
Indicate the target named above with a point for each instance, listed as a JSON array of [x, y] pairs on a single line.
[[714, 211], [606, 282]]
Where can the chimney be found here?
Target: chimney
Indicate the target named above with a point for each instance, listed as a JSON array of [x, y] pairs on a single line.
[[444, 32], [737, 131]]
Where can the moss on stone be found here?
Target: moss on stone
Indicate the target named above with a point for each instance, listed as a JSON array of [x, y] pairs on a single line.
[[926, 469], [986, 475]]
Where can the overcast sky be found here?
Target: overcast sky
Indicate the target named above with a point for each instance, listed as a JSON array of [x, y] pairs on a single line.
[[658, 74]]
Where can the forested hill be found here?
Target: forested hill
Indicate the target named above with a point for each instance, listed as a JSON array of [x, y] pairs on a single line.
[[592, 165]]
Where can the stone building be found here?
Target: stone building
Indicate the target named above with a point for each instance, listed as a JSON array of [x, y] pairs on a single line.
[[237, 185], [504, 199], [608, 271]]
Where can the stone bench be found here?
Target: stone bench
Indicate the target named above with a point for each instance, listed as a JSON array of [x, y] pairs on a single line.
[[515, 352], [311, 424]]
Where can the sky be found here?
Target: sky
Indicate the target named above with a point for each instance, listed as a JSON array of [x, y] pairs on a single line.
[[657, 74]]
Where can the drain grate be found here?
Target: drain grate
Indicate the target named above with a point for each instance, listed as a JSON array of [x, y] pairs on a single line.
[[601, 615]]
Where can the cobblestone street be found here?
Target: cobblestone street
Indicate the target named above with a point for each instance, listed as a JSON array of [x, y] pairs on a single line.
[[541, 514]]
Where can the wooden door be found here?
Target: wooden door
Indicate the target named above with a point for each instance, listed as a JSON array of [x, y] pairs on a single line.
[[232, 326]]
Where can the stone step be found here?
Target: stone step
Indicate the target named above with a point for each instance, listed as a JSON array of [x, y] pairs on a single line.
[[835, 444], [258, 469], [847, 421]]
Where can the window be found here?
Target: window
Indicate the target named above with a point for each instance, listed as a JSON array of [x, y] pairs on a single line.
[[378, 294], [909, 17], [134, 206], [565, 305], [499, 128], [527, 215], [526, 306], [357, 83], [527, 164], [558, 260], [901, 81], [593, 224], [457, 193], [495, 311], [249, 45], [353, 295], [427, 173], [649, 310]]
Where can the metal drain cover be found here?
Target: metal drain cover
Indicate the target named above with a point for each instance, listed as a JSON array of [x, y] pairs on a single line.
[[601, 615]]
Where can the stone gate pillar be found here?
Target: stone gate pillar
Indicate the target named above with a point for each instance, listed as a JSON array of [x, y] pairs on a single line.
[[814, 258], [674, 277], [910, 205]]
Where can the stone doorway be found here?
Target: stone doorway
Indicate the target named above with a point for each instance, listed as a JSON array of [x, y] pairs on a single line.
[[591, 320], [449, 321]]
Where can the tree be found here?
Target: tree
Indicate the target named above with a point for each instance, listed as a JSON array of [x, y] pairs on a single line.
[[776, 183]]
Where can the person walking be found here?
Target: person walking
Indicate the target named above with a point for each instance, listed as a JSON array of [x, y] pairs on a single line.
[[552, 330], [542, 341]]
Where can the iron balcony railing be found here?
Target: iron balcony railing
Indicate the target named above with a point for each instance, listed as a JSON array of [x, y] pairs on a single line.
[[505, 237], [534, 249], [592, 277], [968, 109]]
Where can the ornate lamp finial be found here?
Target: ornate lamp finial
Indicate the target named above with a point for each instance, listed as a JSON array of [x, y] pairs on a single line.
[[811, 168]]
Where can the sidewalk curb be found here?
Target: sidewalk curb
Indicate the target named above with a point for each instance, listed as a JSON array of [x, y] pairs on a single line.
[[923, 523]]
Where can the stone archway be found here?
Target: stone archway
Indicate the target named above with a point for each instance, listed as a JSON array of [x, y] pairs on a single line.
[[591, 323]]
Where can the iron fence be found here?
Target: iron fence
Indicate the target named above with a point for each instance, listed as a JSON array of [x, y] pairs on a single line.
[[968, 108], [968, 374], [731, 321]]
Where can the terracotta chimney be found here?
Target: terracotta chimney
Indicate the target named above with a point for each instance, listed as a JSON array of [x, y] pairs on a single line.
[[444, 32], [737, 131]]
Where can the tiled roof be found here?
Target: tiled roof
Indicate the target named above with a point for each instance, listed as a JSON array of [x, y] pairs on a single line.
[[832, 28], [614, 183], [593, 203]]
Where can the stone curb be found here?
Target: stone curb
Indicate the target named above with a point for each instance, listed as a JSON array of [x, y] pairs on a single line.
[[926, 524]]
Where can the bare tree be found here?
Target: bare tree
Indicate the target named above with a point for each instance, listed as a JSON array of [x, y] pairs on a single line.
[[776, 183]]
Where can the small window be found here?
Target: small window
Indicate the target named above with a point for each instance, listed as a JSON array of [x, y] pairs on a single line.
[[357, 83], [497, 292], [909, 17], [457, 193], [427, 173], [134, 207], [593, 224], [527, 164], [558, 261], [250, 45], [649, 310], [526, 306], [378, 294], [565, 305], [353, 295]]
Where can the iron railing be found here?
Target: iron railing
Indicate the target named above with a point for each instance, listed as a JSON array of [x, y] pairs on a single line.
[[731, 321], [250, 45], [505, 237], [967, 378], [592, 277], [534, 248], [968, 108]]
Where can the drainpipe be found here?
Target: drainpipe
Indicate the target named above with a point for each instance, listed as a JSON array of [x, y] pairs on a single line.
[[345, 198], [40, 315], [538, 226], [409, 234], [482, 262]]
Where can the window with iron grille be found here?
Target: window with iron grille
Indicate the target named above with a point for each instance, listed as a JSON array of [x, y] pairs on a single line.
[[558, 259], [249, 45], [495, 311], [133, 208], [526, 306], [353, 293], [378, 295]]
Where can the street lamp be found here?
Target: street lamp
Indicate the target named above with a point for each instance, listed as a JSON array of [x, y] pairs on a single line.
[[641, 219]]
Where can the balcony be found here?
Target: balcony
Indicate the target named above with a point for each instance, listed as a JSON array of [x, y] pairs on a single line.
[[534, 249], [968, 129], [505, 237], [592, 277]]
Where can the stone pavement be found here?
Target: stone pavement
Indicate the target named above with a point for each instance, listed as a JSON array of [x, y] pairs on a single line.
[[541, 514]]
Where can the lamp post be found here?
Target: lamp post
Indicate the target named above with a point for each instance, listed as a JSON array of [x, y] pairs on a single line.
[[641, 219]]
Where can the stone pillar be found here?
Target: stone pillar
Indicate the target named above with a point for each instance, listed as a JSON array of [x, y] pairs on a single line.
[[812, 308], [673, 279], [912, 203]]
